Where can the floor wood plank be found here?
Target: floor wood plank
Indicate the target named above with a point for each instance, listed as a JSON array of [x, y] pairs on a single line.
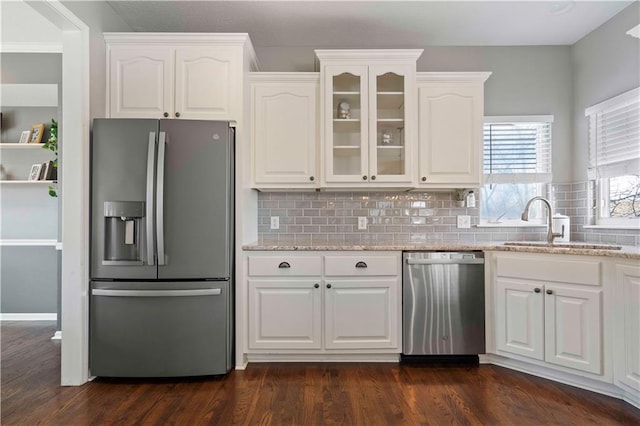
[[289, 394]]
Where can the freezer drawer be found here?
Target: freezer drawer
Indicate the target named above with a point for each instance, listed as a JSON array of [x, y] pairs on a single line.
[[162, 329]]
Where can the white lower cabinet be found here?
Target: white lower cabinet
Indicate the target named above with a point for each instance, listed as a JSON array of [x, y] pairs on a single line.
[[573, 328], [361, 314], [519, 318], [351, 306], [627, 327], [285, 314], [559, 323]]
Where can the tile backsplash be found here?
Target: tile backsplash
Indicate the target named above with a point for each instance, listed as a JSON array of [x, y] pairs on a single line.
[[409, 217], [574, 200], [392, 217]]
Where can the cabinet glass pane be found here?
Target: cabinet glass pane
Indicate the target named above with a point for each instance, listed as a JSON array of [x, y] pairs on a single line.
[[390, 124], [347, 136]]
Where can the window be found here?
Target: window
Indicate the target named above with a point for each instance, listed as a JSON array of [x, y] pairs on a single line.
[[614, 159], [517, 167]]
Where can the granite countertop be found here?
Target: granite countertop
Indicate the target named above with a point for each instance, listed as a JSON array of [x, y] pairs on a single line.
[[575, 248]]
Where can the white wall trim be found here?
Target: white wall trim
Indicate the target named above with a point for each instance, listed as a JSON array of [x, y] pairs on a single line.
[[31, 48], [28, 317], [57, 335], [74, 187]]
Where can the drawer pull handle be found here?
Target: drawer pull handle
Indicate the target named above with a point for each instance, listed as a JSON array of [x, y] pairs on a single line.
[[361, 264], [537, 290], [316, 285], [328, 285], [549, 291], [284, 265]]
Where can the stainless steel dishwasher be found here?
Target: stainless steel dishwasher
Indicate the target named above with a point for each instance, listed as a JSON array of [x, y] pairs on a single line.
[[443, 303]]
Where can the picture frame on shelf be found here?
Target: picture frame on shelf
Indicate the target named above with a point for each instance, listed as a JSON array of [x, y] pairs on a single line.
[[34, 174], [25, 136], [36, 133]]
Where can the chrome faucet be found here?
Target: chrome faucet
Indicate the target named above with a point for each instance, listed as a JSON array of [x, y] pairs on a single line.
[[550, 234]]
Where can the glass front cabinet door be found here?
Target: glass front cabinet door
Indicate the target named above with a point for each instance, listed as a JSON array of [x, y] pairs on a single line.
[[369, 121]]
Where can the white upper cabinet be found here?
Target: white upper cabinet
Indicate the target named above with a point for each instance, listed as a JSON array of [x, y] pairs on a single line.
[[284, 130], [165, 75], [208, 82], [451, 115], [141, 82], [368, 117]]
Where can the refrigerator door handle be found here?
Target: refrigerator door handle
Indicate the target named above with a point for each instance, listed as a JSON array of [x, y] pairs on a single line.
[[157, 293], [160, 198], [151, 157]]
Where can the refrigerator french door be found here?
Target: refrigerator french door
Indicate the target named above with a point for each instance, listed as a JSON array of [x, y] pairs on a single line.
[[161, 247]]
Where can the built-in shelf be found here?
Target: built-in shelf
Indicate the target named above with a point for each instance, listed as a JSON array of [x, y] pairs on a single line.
[[390, 147], [391, 93], [346, 93], [346, 147], [6, 145], [24, 182], [29, 243], [390, 120]]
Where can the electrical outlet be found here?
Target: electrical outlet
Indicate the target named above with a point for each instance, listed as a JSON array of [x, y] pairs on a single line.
[[464, 221], [275, 222], [362, 223]]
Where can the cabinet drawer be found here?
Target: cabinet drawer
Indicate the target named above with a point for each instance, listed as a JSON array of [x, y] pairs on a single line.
[[585, 272], [360, 265], [282, 266]]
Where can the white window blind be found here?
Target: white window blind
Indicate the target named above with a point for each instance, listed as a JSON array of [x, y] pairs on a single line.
[[517, 149], [614, 136]]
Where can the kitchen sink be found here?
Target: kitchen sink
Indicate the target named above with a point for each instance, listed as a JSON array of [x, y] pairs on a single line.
[[582, 246]]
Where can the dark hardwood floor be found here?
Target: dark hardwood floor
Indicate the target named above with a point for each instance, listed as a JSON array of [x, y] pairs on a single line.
[[289, 394]]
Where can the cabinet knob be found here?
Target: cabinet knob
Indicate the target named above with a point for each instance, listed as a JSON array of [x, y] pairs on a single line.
[[549, 291], [361, 264], [316, 285], [284, 265], [311, 178], [424, 179], [177, 114], [373, 177], [166, 114], [537, 290], [328, 285], [364, 178]]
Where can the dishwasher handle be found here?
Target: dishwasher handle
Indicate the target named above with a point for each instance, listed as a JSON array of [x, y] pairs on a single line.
[[445, 261]]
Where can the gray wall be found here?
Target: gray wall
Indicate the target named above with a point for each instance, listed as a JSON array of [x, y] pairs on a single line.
[[29, 276], [29, 280], [605, 63]]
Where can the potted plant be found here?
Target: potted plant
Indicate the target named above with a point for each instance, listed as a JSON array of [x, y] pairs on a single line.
[[459, 196], [52, 145]]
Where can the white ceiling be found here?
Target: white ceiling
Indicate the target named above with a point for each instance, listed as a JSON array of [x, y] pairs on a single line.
[[390, 24]]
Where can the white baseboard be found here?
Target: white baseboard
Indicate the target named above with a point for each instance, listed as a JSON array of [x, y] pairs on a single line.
[[28, 317], [57, 335], [392, 358]]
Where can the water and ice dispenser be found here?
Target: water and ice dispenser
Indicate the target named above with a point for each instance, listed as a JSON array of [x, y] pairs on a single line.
[[123, 225]]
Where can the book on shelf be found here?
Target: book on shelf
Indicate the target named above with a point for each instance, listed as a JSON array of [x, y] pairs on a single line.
[[48, 171]]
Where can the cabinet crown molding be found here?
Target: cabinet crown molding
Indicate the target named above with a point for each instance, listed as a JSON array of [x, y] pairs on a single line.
[[225, 39], [452, 76], [288, 77], [368, 55]]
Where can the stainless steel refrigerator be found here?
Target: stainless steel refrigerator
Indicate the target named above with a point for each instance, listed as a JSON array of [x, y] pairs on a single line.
[[162, 236]]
